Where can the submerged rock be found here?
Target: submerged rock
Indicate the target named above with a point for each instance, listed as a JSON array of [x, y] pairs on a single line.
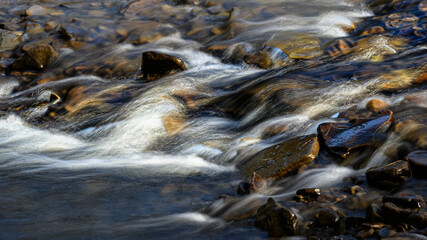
[[260, 59], [301, 47], [37, 56], [283, 159], [418, 162], [389, 176], [156, 65], [8, 39], [342, 138], [276, 219]]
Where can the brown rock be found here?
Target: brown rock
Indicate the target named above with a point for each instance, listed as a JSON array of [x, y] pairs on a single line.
[[355, 113], [418, 162], [276, 219], [282, 160], [406, 200], [260, 59], [326, 217], [8, 40], [38, 56], [156, 65], [301, 47], [257, 183], [373, 213], [411, 124], [376, 105], [389, 176], [395, 214], [342, 138], [307, 194]]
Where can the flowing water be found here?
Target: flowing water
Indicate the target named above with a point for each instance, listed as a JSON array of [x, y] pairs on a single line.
[[137, 159]]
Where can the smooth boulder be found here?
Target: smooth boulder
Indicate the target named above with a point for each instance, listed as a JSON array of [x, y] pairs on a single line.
[[283, 159]]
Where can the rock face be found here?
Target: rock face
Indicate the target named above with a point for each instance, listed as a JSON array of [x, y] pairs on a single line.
[[156, 65], [282, 160], [418, 162], [389, 176], [276, 219], [342, 138]]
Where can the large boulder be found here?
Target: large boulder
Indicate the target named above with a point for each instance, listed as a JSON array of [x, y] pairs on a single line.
[[276, 219], [156, 65], [343, 138], [389, 176], [283, 159]]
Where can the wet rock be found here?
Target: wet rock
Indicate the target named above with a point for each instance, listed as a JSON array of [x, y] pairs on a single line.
[[376, 105], [307, 194], [8, 39], [326, 217], [418, 220], [174, 124], [5, 63], [243, 188], [33, 28], [386, 233], [411, 124], [395, 214], [389, 176], [257, 183], [418, 162], [276, 219], [156, 65], [260, 59], [69, 31], [356, 113], [274, 130], [37, 10], [282, 160], [406, 201], [342, 138], [38, 57], [373, 213], [365, 233], [301, 47]]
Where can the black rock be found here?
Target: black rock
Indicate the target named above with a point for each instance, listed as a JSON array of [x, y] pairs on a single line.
[[389, 176], [276, 219], [156, 65]]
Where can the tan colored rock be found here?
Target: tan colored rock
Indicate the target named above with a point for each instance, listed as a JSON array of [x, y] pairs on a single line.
[[300, 47], [37, 10], [282, 160], [376, 105], [260, 59], [173, 124]]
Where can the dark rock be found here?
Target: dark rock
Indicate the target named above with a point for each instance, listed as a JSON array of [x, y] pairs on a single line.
[[389, 176], [281, 160], [406, 201], [307, 194], [38, 57], [342, 138], [411, 124], [243, 188], [353, 222], [276, 219], [395, 214], [326, 217], [260, 59], [356, 113], [156, 65], [418, 162], [5, 63], [366, 233], [418, 220], [373, 213], [386, 233]]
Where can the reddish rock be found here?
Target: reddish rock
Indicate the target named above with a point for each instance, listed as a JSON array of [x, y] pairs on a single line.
[[376, 105]]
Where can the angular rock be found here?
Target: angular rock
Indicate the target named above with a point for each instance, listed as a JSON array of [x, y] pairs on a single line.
[[418, 162], [38, 57], [276, 219], [282, 160], [342, 138], [389, 176], [156, 65]]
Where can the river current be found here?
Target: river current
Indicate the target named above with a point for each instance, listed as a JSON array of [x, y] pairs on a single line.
[[134, 159]]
